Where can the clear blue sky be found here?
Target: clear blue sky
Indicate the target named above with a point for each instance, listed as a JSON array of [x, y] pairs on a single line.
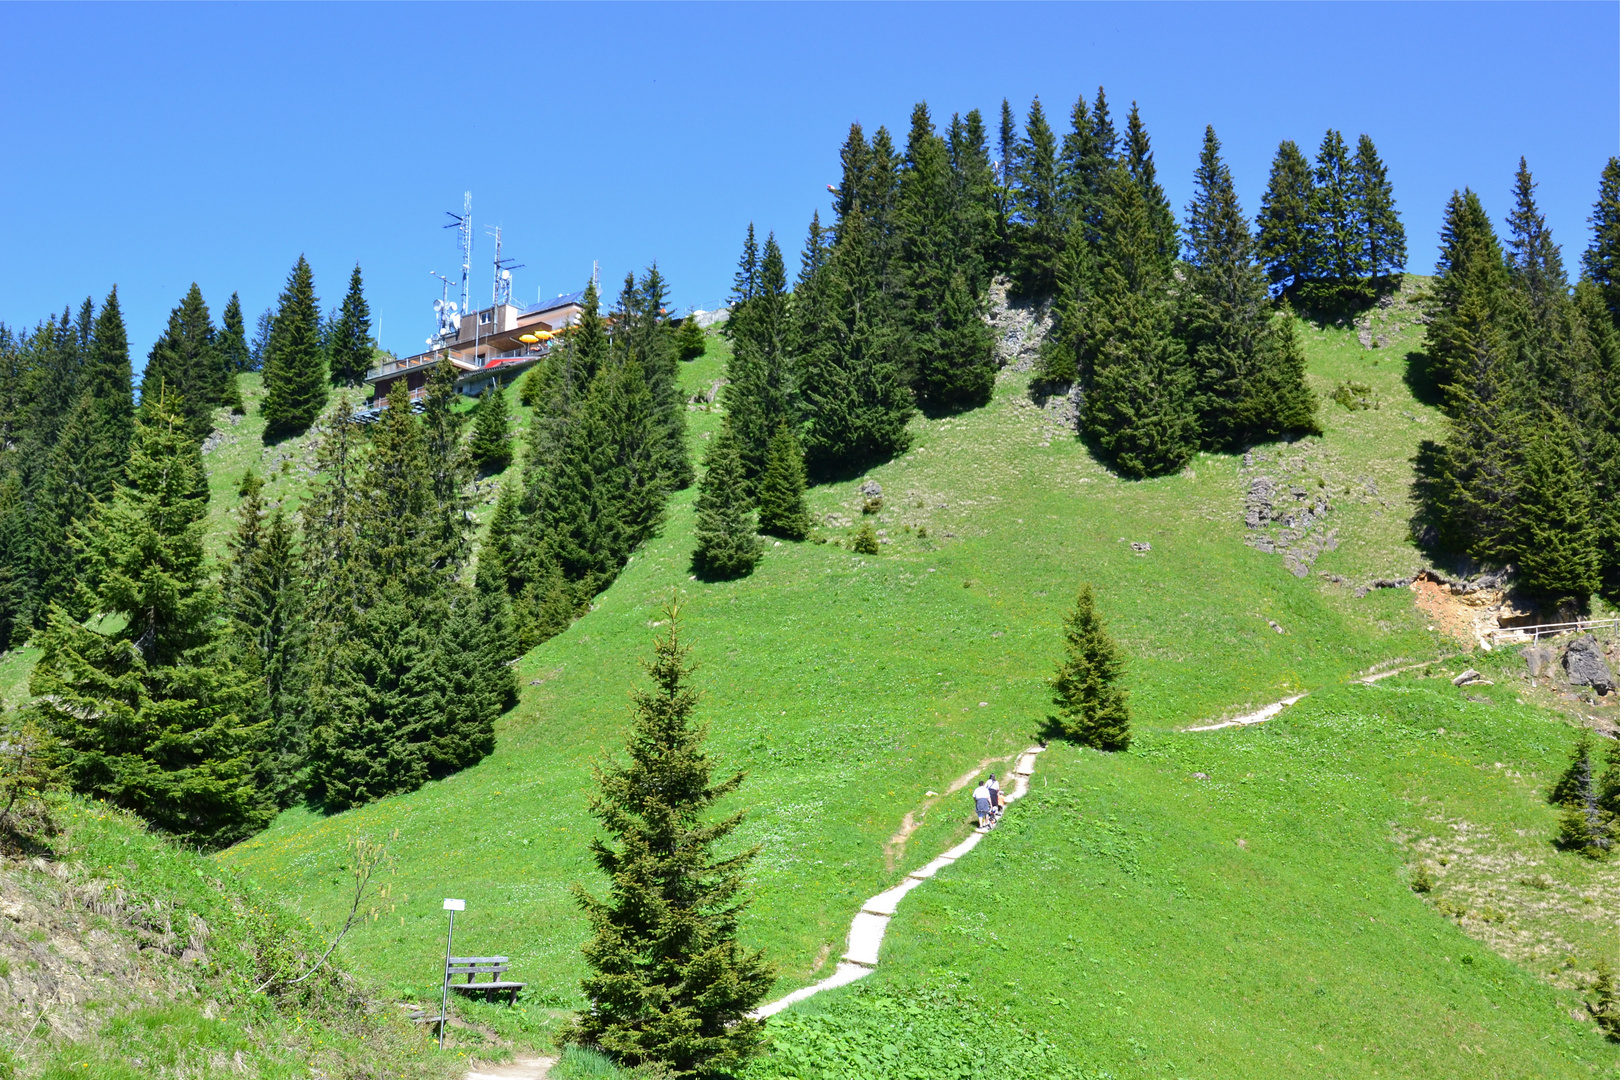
[[156, 145]]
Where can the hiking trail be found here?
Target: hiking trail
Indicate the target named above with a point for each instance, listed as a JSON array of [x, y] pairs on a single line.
[[866, 931]]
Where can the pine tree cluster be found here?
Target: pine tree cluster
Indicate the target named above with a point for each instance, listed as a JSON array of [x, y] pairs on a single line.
[[1329, 234], [1528, 372], [606, 448]]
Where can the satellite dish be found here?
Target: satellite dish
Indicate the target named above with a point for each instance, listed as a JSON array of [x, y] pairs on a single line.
[[438, 306], [506, 275]]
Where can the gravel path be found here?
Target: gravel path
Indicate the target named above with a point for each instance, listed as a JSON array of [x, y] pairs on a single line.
[[866, 931]]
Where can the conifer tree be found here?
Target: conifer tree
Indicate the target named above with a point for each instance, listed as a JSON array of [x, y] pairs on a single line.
[[691, 342], [295, 369], [1037, 210], [187, 362], [1006, 171], [782, 511], [331, 520], [1534, 261], [154, 717], [350, 344], [1136, 409], [1601, 262], [232, 342], [1338, 236], [262, 599], [808, 313], [743, 283], [589, 336], [1285, 244], [1248, 372], [1083, 176], [1471, 489], [854, 399], [1471, 263], [1091, 709], [259, 347], [1374, 197], [1584, 825], [951, 350], [974, 207], [62, 505], [642, 334], [491, 447], [16, 558], [1556, 546], [726, 544], [669, 987], [448, 470], [759, 388], [1139, 161], [394, 505]]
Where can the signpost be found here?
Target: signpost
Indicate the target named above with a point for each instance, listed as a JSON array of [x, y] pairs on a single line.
[[452, 906]]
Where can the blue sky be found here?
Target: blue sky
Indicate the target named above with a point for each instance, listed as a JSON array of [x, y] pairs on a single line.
[[152, 146]]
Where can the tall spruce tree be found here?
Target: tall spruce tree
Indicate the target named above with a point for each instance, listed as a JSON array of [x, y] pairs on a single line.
[[1006, 167], [1248, 376], [232, 341], [1374, 196], [951, 351], [448, 471], [188, 363], [726, 544], [1284, 224], [744, 282], [974, 208], [759, 387], [491, 447], [154, 717], [641, 332], [295, 368], [1536, 264], [1138, 159], [1601, 261], [1091, 708], [106, 379], [855, 402], [1136, 408], [669, 987], [1338, 236], [262, 598], [1037, 220], [1556, 541], [782, 511], [1470, 263], [350, 343]]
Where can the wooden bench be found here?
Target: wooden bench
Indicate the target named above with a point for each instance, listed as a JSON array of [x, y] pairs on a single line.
[[474, 966]]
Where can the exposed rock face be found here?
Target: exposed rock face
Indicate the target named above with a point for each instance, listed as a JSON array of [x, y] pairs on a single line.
[[1302, 514], [1538, 658], [1583, 662], [872, 489], [1019, 327]]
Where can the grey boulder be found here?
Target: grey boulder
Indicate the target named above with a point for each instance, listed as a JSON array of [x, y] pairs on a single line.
[[1584, 663]]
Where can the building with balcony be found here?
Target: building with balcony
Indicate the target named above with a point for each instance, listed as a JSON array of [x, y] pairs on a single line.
[[493, 345]]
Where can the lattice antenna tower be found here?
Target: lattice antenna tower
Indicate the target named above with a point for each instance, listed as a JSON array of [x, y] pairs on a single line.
[[462, 222], [503, 269]]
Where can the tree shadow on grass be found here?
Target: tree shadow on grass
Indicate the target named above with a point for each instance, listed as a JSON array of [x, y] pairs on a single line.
[[1423, 379]]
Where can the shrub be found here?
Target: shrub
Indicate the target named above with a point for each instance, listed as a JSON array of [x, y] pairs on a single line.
[[866, 541]]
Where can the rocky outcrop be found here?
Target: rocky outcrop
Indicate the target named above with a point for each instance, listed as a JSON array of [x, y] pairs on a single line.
[[1585, 666], [1301, 512], [1539, 659], [1019, 326]]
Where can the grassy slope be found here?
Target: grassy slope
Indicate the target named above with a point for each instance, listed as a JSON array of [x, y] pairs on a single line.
[[849, 686]]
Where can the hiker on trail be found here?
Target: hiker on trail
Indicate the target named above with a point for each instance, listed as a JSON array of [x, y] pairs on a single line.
[[996, 800], [981, 803]]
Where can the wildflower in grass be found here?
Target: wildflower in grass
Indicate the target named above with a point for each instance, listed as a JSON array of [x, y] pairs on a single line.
[[1091, 709]]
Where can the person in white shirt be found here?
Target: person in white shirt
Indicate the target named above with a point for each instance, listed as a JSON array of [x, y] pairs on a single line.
[[996, 801], [981, 803]]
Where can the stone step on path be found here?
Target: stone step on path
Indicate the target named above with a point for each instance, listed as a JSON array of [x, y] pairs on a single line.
[[866, 930]]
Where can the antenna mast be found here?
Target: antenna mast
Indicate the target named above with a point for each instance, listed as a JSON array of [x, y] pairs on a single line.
[[463, 223], [503, 270]]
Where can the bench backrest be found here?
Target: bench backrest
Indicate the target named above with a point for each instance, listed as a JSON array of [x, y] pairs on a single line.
[[473, 966]]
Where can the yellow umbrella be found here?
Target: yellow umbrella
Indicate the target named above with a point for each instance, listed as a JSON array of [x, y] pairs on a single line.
[[544, 335], [528, 339]]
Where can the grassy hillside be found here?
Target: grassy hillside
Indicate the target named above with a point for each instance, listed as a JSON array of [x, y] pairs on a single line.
[[1150, 941], [123, 957]]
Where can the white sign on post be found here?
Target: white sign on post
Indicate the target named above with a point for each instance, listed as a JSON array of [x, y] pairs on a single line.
[[455, 905]]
